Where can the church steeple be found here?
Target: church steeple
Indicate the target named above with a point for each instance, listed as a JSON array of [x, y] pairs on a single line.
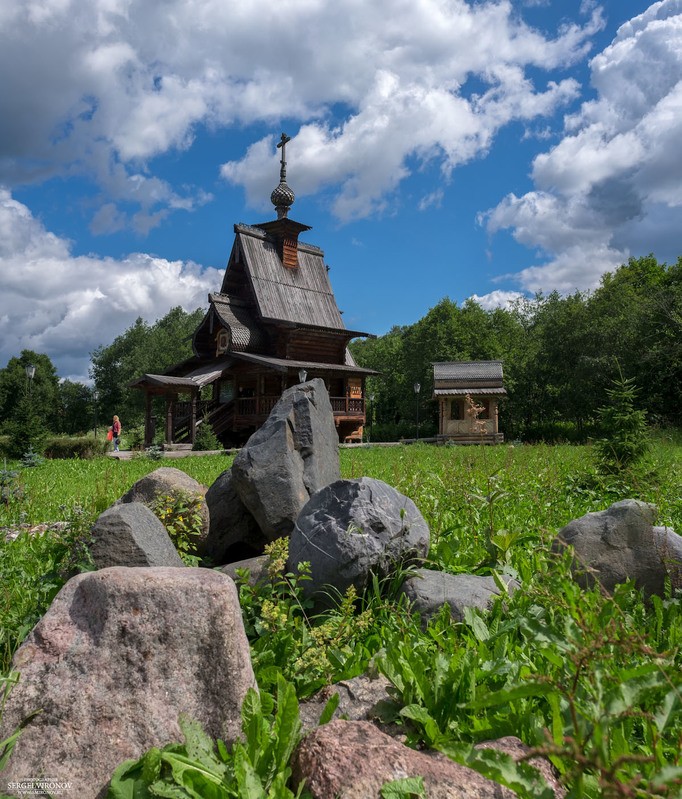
[[284, 231], [283, 197]]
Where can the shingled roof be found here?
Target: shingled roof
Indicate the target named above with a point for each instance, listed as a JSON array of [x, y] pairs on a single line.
[[301, 296], [464, 377]]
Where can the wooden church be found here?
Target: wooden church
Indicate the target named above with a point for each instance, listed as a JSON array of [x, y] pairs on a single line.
[[274, 323]]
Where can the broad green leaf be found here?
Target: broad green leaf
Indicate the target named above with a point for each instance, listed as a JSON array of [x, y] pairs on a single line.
[[404, 788], [151, 765], [664, 714], [500, 767], [478, 626], [508, 695], [328, 711], [127, 783], [287, 726], [200, 746], [429, 725], [248, 781]]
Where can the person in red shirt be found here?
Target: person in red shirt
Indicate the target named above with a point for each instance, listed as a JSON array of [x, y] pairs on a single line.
[[116, 430]]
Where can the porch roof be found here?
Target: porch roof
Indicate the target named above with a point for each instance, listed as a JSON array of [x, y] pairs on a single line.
[[285, 365], [199, 377]]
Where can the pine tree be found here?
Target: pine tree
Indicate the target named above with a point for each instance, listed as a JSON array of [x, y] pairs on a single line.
[[623, 426]]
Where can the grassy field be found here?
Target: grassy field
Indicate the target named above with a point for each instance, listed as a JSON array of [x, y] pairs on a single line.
[[591, 680]]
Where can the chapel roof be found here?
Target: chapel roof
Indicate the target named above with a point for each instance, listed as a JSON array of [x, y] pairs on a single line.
[[464, 377]]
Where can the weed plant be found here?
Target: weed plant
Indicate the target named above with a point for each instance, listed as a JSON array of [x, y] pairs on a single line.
[[180, 513]]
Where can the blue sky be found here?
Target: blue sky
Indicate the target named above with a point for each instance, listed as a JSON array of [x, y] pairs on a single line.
[[439, 148]]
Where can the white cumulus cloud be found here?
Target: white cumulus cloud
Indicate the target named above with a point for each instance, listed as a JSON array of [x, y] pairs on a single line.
[[66, 306], [612, 187], [101, 87]]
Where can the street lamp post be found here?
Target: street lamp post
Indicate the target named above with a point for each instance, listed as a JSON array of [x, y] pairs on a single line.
[[94, 407], [417, 389], [30, 374]]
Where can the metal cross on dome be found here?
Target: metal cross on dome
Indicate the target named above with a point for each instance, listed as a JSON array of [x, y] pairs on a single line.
[[283, 169]]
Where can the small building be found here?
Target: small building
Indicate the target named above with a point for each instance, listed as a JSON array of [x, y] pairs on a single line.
[[273, 323], [468, 394]]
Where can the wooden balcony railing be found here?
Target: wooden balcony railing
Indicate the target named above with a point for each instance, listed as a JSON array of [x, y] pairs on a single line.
[[261, 406]]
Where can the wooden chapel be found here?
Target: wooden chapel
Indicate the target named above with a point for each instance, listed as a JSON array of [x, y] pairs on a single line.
[[274, 323]]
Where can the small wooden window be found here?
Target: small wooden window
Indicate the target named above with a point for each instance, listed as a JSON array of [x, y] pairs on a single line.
[[222, 342], [457, 409]]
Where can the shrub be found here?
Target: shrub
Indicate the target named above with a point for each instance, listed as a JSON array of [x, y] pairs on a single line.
[[206, 440], [10, 490], [84, 447], [624, 427]]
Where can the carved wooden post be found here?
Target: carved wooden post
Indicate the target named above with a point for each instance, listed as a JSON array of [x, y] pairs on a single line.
[[170, 412], [193, 418], [148, 432]]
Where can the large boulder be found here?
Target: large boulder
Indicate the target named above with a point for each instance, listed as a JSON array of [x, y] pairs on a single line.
[[233, 528], [619, 544], [117, 657], [293, 455], [167, 481], [353, 528], [130, 535], [428, 590], [353, 759]]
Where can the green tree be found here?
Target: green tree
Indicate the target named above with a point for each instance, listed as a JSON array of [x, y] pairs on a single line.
[[636, 321], [76, 407], [43, 390], [623, 426], [141, 349]]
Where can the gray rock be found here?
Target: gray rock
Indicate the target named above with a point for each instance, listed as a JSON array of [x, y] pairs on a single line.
[[362, 698], [352, 528], [257, 568], [293, 455], [618, 544], [353, 759], [232, 526], [117, 657], [130, 535], [168, 481], [669, 547], [428, 590]]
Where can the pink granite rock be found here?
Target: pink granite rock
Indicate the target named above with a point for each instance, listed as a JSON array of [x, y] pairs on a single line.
[[353, 759], [119, 655]]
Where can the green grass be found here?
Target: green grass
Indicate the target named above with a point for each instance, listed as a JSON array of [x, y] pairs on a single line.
[[592, 680]]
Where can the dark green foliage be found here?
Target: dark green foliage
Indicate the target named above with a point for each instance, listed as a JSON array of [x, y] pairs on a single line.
[[43, 391], [206, 439], [559, 355], [85, 447], [141, 348], [26, 429], [11, 491], [77, 412], [623, 427]]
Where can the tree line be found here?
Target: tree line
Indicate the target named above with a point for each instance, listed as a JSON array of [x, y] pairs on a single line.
[[56, 406], [560, 356]]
